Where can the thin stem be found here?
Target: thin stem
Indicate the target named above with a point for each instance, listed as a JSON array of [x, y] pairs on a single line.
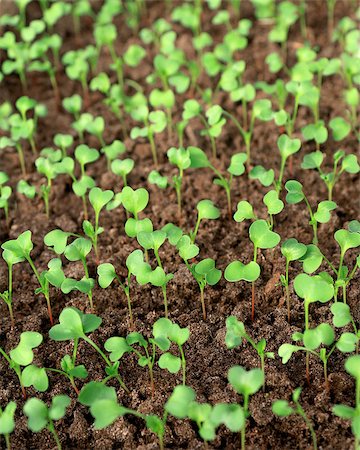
[[163, 288], [21, 158], [51, 428], [253, 301], [127, 293], [183, 364], [202, 302], [194, 233]]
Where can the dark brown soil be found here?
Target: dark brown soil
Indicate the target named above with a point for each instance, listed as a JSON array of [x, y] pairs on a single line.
[[208, 360]]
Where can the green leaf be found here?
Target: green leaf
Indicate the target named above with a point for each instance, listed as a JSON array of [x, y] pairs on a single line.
[[117, 346], [295, 193], [352, 366], [198, 158], [293, 250], [322, 334], [37, 413], [235, 332], [98, 198], [7, 422], [347, 342], [322, 214], [266, 177], [282, 408], [94, 391], [57, 239], [261, 236], [105, 412], [35, 376], [340, 128], [341, 314], [85, 155], [286, 351], [312, 160], [273, 203], [134, 201], [343, 411], [288, 146], [207, 210], [231, 415], [107, 274], [313, 288], [244, 211], [245, 382], [170, 362], [344, 238], [22, 354], [237, 271], [312, 258], [237, 166], [74, 324], [21, 246], [179, 401]]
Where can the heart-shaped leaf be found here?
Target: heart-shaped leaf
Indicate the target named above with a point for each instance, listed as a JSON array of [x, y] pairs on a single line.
[[237, 271], [261, 236]]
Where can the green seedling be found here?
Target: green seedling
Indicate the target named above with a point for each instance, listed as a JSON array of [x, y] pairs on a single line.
[[5, 194], [287, 148], [96, 128], [41, 416], [20, 361], [135, 201], [154, 121], [282, 408], [156, 178], [346, 240], [20, 249], [77, 67], [75, 325], [98, 199], [164, 99], [349, 164], [122, 168], [112, 151], [206, 210], [7, 422], [236, 334], [321, 215], [292, 250], [236, 168], [64, 142], [166, 333], [73, 105], [352, 366], [179, 157], [107, 275], [245, 383]]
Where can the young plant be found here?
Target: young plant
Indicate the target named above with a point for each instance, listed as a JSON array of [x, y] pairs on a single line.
[[245, 383], [352, 367], [41, 416], [7, 422], [20, 249], [292, 250], [287, 148], [349, 164], [75, 325], [322, 215], [282, 408], [107, 275], [179, 157], [235, 335], [206, 210], [20, 361], [122, 168]]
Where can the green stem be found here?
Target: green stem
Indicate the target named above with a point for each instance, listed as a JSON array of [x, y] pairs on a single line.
[[7, 441], [163, 288], [52, 430], [21, 158], [183, 365], [202, 302], [194, 233]]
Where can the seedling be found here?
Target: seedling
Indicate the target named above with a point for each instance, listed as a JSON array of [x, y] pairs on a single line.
[[134, 201], [5, 194], [75, 325], [64, 142], [349, 164], [22, 356], [236, 168], [287, 147], [41, 416], [322, 215], [236, 333], [166, 333], [246, 383], [122, 168], [282, 408], [292, 250], [20, 249], [352, 366], [206, 210], [179, 157], [7, 422], [107, 275]]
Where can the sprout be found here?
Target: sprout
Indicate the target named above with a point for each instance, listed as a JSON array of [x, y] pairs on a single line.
[[349, 164], [206, 210], [236, 333], [282, 408], [352, 366], [287, 147], [179, 157], [122, 168], [292, 250], [156, 178], [64, 141], [22, 356], [245, 383], [7, 422], [5, 193], [107, 275], [322, 215], [41, 416], [75, 325]]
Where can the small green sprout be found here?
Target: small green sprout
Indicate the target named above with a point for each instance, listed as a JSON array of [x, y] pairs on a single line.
[[282, 408], [352, 366], [246, 383], [287, 147], [236, 333], [112, 151], [321, 215], [292, 250], [122, 168], [349, 164], [156, 178], [179, 157], [22, 356], [75, 325], [107, 275], [166, 333], [7, 422], [206, 210], [134, 201], [41, 416], [20, 249], [5, 193], [64, 142], [98, 199]]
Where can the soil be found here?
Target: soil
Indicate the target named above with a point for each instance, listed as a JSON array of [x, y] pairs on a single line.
[[208, 359]]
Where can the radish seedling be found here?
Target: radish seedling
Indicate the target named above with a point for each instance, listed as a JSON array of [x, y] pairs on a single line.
[[75, 325], [282, 408], [236, 333], [349, 164], [5, 193], [22, 356], [179, 157], [107, 275], [122, 168], [64, 142], [292, 250], [352, 366], [7, 422], [322, 215], [246, 383], [41, 416], [206, 210]]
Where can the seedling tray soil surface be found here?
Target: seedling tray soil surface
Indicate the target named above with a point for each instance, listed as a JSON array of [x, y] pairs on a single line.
[[207, 358]]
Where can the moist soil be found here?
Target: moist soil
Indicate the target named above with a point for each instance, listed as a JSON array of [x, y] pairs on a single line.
[[208, 359]]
